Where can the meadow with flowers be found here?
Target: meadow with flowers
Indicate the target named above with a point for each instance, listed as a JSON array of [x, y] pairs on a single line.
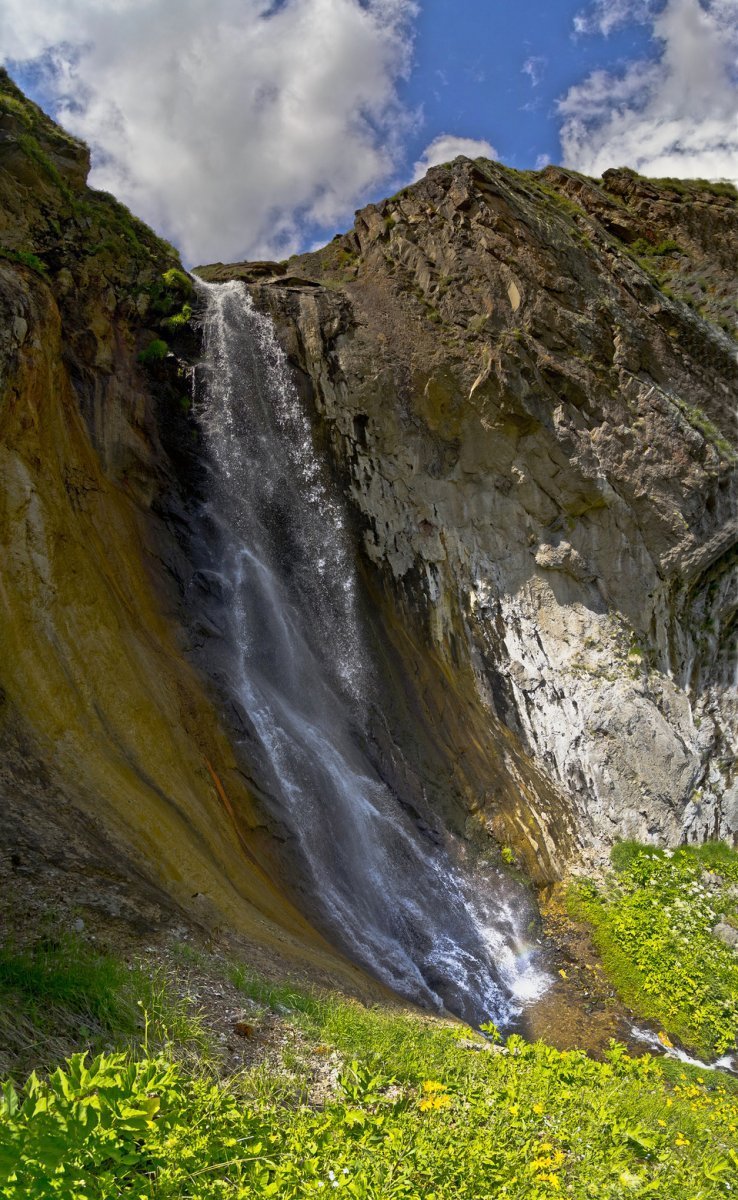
[[410, 1107]]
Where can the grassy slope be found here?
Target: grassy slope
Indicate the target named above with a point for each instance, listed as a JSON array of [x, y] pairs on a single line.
[[653, 920], [370, 1102]]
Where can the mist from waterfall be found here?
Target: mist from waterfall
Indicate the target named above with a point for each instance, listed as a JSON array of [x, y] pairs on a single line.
[[379, 887]]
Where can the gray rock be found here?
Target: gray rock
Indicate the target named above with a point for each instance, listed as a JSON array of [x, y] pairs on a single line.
[[727, 934]]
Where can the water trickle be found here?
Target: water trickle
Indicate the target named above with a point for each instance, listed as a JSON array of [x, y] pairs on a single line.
[[378, 886]]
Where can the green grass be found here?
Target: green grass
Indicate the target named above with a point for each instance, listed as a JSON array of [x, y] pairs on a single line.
[[687, 187], [415, 1113], [652, 921], [156, 350], [33, 150], [372, 1102], [26, 258], [642, 248], [275, 996], [61, 991], [62, 972]]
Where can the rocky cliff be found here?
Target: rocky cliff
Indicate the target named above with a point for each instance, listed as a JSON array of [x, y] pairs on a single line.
[[122, 797], [526, 386], [529, 382]]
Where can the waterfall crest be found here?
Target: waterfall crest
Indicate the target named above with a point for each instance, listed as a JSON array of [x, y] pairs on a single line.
[[382, 890]]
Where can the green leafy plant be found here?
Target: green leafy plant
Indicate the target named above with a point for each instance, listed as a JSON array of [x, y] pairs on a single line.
[[179, 320], [83, 1123]]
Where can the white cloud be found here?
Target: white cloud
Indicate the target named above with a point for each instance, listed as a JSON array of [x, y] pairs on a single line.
[[228, 124], [603, 16], [675, 115], [446, 147], [534, 67]]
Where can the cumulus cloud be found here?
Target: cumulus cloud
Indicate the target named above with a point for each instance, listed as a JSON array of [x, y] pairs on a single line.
[[230, 125], [446, 147], [675, 115]]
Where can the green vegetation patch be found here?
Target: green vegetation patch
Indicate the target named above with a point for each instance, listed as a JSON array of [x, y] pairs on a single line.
[[691, 187], [424, 1112], [61, 973], [61, 993], [26, 258], [701, 422], [372, 1103], [156, 350], [653, 922], [170, 296]]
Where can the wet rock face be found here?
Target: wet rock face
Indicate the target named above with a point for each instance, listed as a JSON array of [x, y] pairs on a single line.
[[540, 445], [119, 785]]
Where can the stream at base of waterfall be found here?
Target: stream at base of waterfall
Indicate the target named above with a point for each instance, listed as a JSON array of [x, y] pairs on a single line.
[[382, 890]]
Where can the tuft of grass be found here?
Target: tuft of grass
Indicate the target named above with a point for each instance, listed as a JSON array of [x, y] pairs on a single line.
[[61, 991], [700, 421], [282, 998], [63, 973], [690, 187], [26, 258], [178, 320], [156, 350], [642, 248]]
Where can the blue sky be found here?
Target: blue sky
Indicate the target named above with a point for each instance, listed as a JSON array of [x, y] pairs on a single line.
[[248, 128], [469, 79]]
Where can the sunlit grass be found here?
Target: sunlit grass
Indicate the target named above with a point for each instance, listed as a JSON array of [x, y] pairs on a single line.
[[653, 922]]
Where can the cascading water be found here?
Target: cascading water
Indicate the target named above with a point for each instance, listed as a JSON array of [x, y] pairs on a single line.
[[380, 888]]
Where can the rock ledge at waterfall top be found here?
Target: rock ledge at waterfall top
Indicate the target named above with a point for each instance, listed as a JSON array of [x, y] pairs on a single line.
[[530, 384]]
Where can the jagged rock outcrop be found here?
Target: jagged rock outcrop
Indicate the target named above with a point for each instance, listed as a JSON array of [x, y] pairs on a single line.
[[538, 431]]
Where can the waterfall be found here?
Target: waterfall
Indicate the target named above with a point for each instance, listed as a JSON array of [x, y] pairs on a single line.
[[381, 889]]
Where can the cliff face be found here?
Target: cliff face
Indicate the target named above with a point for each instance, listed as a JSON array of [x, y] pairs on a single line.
[[120, 791], [529, 383]]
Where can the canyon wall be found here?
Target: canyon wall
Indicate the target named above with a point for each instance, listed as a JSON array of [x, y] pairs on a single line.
[[121, 794], [529, 382]]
